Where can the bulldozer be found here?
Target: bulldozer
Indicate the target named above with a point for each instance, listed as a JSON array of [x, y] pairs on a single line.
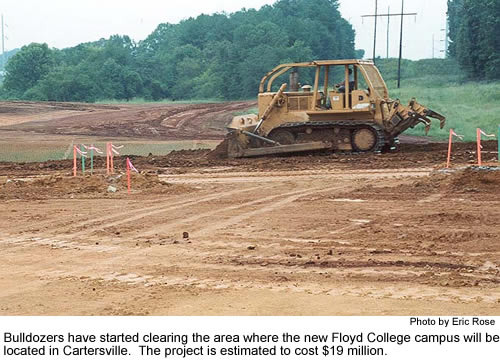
[[354, 115]]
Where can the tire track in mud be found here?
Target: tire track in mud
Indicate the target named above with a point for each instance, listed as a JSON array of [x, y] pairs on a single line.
[[55, 243], [67, 240], [215, 276], [232, 177], [134, 215], [264, 274], [258, 278], [62, 224], [289, 197]]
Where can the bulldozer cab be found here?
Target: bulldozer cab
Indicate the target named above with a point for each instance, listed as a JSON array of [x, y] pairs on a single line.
[[331, 89], [337, 86]]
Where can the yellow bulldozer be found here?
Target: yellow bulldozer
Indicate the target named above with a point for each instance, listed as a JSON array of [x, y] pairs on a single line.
[[355, 115]]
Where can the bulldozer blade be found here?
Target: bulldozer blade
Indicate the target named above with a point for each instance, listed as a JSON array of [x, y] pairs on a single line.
[[282, 149], [232, 146], [220, 151]]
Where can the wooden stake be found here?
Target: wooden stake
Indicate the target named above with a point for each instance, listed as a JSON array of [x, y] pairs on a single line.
[[449, 149], [91, 159], [82, 149], [478, 139], [107, 158], [111, 156], [74, 160], [128, 176]]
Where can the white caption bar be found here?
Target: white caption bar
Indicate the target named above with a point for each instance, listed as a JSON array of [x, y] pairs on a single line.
[[249, 338]]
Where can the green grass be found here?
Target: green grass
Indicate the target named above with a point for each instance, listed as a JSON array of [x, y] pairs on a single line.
[[252, 110], [36, 152], [466, 106], [33, 155]]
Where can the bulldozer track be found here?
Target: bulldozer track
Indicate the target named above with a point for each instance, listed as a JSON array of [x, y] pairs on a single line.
[[350, 125]]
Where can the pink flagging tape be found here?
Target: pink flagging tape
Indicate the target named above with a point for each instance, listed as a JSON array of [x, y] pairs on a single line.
[[483, 133], [461, 137], [82, 153], [96, 149], [115, 148], [132, 167]]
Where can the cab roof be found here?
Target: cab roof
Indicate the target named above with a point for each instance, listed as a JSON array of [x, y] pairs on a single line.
[[283, 68]]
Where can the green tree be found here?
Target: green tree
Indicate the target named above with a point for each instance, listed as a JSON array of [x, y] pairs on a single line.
[[474, 29], [66, 83], [28, 66]]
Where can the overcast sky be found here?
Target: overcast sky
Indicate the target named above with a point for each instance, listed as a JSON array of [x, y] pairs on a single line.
[[64, 23]]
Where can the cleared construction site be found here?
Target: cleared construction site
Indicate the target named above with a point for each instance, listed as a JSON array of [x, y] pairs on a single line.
[[316, 233]]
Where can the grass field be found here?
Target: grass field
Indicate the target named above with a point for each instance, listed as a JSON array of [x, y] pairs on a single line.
[[466, 106], [59, 150]]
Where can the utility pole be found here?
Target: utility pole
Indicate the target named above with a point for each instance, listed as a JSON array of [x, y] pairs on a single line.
[[433, 45], [446, 43], [401, 43], [375, 31], [3, 47], [388, 20], [445, 39], [402, 14]]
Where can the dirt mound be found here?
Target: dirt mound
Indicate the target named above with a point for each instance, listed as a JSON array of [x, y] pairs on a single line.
[[60, 186], [220, 151], [469, 180], [472, 179]]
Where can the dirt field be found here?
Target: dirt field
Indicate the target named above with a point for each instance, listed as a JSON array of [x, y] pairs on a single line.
[[318, 234]]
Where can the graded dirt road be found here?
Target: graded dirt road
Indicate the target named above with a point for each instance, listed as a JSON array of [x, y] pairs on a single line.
[[323, 234], [149, 121]]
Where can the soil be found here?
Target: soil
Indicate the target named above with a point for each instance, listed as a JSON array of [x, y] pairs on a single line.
[[315, 234], [158, 121], [98, 186]]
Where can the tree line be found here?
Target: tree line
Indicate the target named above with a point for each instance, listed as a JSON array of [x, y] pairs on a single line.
[[474, 28], [211, 56]]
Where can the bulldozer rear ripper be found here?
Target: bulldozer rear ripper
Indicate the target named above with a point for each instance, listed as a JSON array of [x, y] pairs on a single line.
[[356, 114]]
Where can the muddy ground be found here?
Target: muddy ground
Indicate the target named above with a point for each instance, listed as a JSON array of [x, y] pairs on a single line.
[[317, 234]]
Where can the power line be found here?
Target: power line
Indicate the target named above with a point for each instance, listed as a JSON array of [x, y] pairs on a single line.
[[402, 14], [375, 31], [388, 21]]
